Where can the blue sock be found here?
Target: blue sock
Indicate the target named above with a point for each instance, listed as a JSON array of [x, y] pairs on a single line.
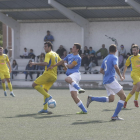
[[100, 99], [75, 85], [80, 104], [118, 108]]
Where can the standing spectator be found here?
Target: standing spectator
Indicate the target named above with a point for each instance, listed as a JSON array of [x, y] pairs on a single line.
[[92, 62], [122, 51], [48, 37], [86, 50], [31, 54], [25, 54], [91, 51], [14, 68], [60, 51], [29, 67], [70, 51], [103, 51]]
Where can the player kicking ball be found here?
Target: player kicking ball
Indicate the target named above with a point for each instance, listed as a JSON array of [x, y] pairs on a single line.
[[108, 68], [5, 72], [134, 60], [73, 62], [48, 77]]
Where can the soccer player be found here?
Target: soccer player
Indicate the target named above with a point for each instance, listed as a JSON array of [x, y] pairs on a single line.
[[134, 60], [5, 72], [108, 68], [73, 62], [48, 77]]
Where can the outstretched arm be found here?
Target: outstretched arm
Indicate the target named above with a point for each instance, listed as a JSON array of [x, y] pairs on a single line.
[[9, 65], [57, 64], [124, 70]]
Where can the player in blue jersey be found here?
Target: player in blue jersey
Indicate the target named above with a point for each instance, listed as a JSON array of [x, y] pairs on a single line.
[[108, 68], [73, 62]]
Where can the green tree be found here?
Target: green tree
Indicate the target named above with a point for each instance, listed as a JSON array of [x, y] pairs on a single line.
[[1, 35]]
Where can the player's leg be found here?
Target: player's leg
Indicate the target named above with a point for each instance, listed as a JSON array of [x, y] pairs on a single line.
[[70, 80], [3, 85], [10, 86], [120, 104], [137, 94], [130, 95]]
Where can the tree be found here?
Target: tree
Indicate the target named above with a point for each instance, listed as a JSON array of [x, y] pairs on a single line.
[[1, 35]]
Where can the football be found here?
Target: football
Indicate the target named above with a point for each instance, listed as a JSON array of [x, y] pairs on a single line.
[[52, 103]]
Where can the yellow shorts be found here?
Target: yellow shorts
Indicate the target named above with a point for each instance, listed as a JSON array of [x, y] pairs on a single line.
[[46, 80], [135, 77], [4, 75]]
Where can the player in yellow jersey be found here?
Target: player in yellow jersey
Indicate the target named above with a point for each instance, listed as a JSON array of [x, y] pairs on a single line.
[[134, 60], [48, 77], [5, 72]]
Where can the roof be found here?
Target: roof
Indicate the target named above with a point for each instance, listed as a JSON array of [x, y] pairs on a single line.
[[93, 10]]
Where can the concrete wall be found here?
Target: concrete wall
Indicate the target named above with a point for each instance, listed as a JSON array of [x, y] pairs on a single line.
[[32, 34]]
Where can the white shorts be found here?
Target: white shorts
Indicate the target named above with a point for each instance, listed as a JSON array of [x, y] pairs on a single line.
[[75, 77], [113, 88]]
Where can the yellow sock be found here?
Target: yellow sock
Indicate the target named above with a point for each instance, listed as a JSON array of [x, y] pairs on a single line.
[[4, 86], [136, 95], [128, 97], [10, 86], [46, 105], [42, 91]]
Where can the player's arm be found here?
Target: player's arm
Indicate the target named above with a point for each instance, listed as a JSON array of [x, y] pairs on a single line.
[[9, 65], [57, 64], [118, 72], [102, 71], [124, 70]]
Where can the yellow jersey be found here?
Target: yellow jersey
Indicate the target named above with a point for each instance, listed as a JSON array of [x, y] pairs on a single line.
[[3, 63], [135, 63], [52, 58]]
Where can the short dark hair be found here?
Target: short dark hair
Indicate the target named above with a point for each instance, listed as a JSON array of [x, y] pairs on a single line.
[[90, 47], [1, 47], [49, 44], [78, 46], [135, 46], [48, 31], [25, 48], [112, 48]]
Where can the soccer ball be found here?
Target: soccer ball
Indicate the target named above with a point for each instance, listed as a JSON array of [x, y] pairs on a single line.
[[52, 103]]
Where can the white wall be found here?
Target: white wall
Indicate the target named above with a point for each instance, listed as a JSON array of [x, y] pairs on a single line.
[[32, 34]]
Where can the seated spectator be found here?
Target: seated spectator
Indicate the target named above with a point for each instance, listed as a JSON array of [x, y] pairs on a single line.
[[103, 52], [60, 51], [14, 68], [5, 51], [70, 51], [91, 51], [41, 57], [31, 54], [86, 50], [48, 37], [25, 54], [92, 63], [122, 51], [85, 61], [29, 67], [121, 61]]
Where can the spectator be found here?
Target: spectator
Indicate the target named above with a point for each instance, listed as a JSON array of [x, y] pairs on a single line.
[[14, 68], [41, 57], [70, 51], [103, 52], [31, 54], [80, 52], [122, 51], [91, 51], [25, 54], [61, 50], [48, 37], [127, 55], [121, 61], [64, 55], [86, 50], [92, 63], [30, 68], [84, 61], [5, 51]]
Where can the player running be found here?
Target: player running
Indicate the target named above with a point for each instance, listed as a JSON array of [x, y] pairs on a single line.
[[73, 62], [48, 77], [5, 72], [108, 68], [134, 60]]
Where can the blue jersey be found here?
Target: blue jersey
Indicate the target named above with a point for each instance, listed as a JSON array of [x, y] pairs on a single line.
[[73, 59], [109, 71]]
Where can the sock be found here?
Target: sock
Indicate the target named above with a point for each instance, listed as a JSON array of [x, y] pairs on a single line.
[[118, 108], [136, 95], [80, 105], [100, 99], [42, 91], [75, 85], [4, 86], [46, 105], [128, 97], [10, 86]]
